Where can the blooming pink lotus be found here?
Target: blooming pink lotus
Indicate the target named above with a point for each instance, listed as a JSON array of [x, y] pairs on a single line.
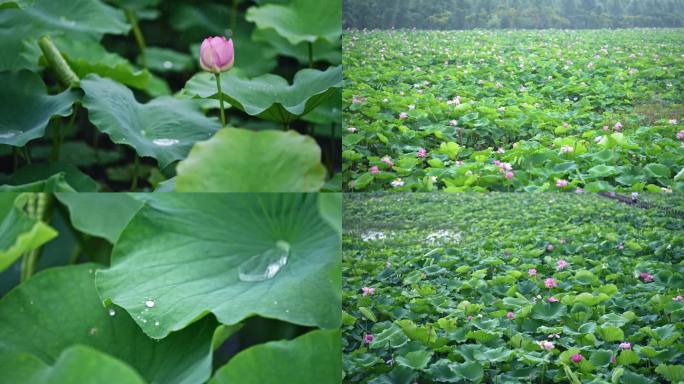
[[550, 282], [387, 160], [453, 123], [552, 299], [374, 169], [561, 264], [561, 183], [617, 126], [646, 277], [678, 298], [403, 115], [547, 345], [625, 345], [509, 175], [217, 54], [422, 152], [368, 291], [532, 272], [680, 134], [368, 338], [510, 315], [576, 358], [549, 247]]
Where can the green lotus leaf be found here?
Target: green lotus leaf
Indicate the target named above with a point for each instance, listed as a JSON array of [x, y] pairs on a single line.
[[60, 307], [54, 183], [15, 3], [415, 360], [164, 128], [270, 97], [87, 56], [234, 255], [321, 50], [167, 60], [313, 358], [330, 206], [328, 112], [85, 212], [36, 173], [301, 21], [547, 311], [76, 364], [286, 162], [80, 19], [26, 108], [20, 233]]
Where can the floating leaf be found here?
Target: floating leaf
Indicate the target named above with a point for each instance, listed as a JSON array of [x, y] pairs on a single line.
[[26, 108], [60, 307], [313, 358], [300, 21], [287, 162], [234, 255], [270, 97], [164, 128]]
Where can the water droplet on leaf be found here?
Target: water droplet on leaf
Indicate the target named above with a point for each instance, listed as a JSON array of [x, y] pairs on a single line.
[[167, 64], [165, 142], [112, 312], [149, 303], [265, 265], [156, 323], [8, 134]]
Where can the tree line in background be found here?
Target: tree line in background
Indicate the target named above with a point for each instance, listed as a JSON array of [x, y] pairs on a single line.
[[530, 14]]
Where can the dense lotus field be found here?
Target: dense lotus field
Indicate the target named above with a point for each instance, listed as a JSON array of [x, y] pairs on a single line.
[[598, 110], [501, 288]]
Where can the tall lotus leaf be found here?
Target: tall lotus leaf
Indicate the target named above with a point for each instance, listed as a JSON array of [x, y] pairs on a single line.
[[302, 20], [186, 255], [54, 183], [21, 28], [88, 56], [164, 128], [322, 49], [77, 364], [26, 107], [59, 307], [284, 162], [313, 358], [270, 97], [85, 211], [20, 233], [15, 3]]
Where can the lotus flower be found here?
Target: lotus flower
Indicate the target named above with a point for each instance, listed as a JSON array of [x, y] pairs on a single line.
[[217, 54], [368, 338], [576, 358]]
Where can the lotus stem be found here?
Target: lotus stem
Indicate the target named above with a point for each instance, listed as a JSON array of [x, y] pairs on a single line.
[[136, 170], [220, 96], [36, 208], [57, 62], [311, 59], [137, 33], [233, 16]]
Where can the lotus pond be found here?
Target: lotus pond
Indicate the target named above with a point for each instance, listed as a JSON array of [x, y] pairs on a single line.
[[599, 110], [170, 288], [512, 288], [110, 95]]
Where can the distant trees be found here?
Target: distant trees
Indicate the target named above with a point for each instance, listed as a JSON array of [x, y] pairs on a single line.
[[468, 14]]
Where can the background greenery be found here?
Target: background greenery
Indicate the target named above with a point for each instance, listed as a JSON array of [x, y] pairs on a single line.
[[467, 14]]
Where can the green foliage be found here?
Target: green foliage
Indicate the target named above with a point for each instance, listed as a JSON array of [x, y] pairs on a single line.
[[447, 268], [467, 14], [513, 111]]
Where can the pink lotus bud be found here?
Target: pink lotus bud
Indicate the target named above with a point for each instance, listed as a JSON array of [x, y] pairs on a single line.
[[368, 338], [510, 315], [217, 54], [532, 272], [576, 358]]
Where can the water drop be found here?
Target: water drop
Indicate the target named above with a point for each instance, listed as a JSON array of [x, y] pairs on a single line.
[[156, 323], [144, 321], [112, 312], [165, 142], [167, 64], [92, 331], [7, 135], [275, 302], [265, 265], [149, 303]]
